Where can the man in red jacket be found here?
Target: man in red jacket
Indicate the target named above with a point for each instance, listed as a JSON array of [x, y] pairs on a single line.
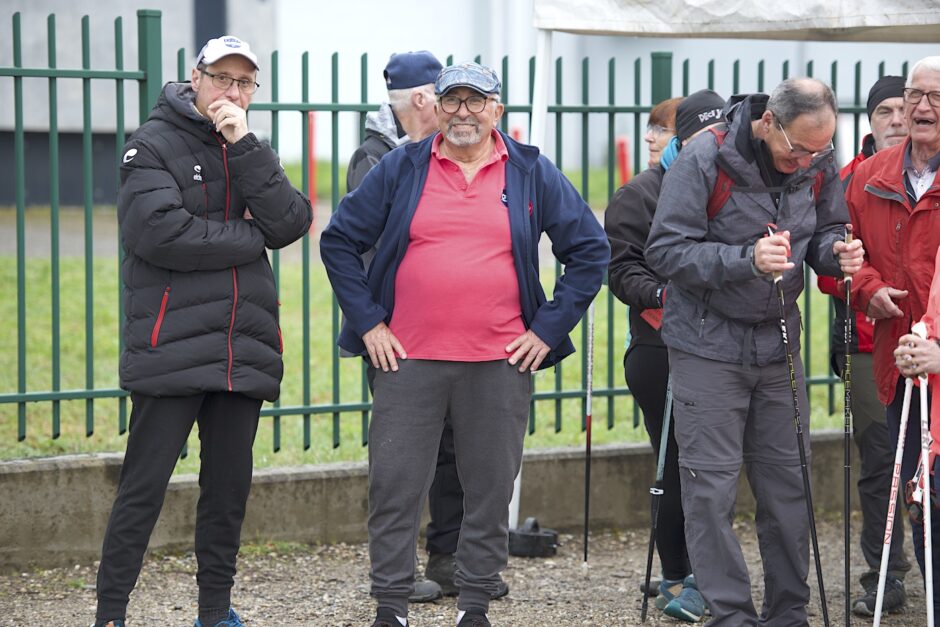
[[870, 431], [894, 203]]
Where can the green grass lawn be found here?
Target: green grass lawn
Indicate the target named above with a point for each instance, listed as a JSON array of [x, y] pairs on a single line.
[[557, 423]]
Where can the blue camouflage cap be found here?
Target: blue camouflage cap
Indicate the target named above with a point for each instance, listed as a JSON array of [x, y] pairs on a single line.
[[472, 75]]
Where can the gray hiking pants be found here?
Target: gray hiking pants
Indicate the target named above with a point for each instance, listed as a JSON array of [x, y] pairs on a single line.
[[728, 415], [488, 404]]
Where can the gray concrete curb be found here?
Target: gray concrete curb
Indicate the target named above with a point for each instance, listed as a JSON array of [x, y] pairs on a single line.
[[53, 511]]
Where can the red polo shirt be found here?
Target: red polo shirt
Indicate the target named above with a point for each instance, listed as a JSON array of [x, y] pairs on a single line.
[[456, 290]]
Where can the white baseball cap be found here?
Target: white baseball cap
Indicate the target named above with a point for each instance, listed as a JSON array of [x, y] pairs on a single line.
[[223, 46]]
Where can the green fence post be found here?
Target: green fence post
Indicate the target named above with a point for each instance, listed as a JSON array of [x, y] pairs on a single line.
[[661, 72], [149, 59]]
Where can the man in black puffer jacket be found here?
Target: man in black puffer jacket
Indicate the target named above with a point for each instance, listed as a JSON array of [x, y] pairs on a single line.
[[200, 200]]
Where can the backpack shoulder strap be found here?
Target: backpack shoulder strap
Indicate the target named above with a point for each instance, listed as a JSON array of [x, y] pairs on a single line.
[[723, 184]]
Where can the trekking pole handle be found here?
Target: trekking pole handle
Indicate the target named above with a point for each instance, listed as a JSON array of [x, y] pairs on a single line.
[[771, 230], [848, 240]]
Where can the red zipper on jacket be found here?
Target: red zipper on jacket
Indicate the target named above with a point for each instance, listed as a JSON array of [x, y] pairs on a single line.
[[159, 323], [231, 324]]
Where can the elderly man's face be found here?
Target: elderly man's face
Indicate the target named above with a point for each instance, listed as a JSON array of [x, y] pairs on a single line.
[[796, 145], [465, 128], [923, 119], [232, 66], [888, 124]]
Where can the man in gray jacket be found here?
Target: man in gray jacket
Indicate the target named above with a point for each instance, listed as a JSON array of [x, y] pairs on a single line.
[[731, 387]]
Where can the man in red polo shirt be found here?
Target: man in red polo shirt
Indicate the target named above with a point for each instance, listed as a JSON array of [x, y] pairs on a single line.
[[453, 318]]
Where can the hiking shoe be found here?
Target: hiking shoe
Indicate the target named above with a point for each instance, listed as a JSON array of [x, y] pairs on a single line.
[[232, 620], [117, 622], [502, 589], [893, 602], [441, 568], [425, 591], [385, 617], [669, 589], [689, 605], [474, 618]]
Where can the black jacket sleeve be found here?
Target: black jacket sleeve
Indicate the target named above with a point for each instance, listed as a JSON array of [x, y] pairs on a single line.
[[627, 222], [157, 228], [281, 212]]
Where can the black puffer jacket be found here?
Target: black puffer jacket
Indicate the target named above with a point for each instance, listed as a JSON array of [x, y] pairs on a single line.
[[200, 302]]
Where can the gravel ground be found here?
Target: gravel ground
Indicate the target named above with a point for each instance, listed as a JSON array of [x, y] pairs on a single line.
[[298, 585]]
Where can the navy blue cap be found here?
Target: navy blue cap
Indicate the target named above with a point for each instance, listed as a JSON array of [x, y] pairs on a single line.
[[411, 69], [472, 75]]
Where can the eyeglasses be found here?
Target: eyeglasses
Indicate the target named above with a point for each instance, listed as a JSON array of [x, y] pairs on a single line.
[[914, 96], [656, 130], [800, 153], [221, 81], [451, 104]]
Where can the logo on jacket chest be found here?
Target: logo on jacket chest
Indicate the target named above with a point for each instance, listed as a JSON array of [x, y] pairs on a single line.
[[198, 172]]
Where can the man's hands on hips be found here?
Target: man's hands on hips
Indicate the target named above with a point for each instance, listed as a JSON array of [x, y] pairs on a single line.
[[916, 356], [382, 346], [882, 303], [528, 350], [230, 120]]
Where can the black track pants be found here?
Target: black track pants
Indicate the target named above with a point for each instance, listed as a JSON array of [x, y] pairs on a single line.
[[158, 429], [647, 369]]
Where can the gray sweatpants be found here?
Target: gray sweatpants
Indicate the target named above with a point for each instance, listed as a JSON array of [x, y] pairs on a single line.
[[488, 404], [728, 415]]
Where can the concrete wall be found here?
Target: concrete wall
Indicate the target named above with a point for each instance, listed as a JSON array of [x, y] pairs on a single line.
[[53, 511]]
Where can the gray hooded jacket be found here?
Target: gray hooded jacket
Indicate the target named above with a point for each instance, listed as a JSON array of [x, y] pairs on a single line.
[[716, 307]]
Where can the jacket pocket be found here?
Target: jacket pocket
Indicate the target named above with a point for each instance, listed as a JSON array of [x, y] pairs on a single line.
[[155, 333]]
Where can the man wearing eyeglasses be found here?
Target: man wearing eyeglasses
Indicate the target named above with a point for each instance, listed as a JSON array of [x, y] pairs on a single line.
[[453, 319], [732, 398], [201, 199], [894, 201]]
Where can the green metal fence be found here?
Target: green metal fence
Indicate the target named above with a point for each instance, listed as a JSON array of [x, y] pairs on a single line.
[[319, 384]]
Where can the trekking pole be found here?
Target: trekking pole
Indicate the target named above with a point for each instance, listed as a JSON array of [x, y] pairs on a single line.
[[847, 385], [892, 501], [920, 330], [587, 427], [656, 493], [807, 490]]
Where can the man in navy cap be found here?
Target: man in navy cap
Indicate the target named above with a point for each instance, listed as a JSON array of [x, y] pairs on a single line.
[[453, 319], [408, 116]]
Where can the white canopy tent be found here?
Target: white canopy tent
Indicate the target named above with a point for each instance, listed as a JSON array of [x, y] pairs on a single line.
[[914, 21]]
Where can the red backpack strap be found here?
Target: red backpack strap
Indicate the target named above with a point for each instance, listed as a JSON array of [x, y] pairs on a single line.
[[723, 184]]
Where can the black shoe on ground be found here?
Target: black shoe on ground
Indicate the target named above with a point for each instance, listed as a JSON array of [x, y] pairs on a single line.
[[425, 591], [894, 599], [440, 569], [385, 617], [474, 618]]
